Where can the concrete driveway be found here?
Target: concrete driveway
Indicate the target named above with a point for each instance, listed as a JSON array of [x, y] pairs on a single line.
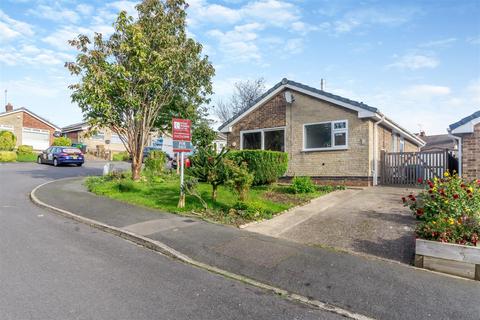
[[371, 221]]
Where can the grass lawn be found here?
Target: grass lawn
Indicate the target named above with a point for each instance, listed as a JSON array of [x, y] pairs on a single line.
[[263, 201]]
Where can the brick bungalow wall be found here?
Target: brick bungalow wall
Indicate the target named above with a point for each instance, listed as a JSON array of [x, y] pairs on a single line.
[[31, 122], [270, 115], [471, 154], [73, 136], [15, 120]]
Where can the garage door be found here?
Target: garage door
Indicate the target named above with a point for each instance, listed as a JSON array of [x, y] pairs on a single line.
[[37, 138]]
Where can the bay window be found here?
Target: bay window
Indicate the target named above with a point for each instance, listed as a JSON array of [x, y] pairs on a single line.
[[325, 135]]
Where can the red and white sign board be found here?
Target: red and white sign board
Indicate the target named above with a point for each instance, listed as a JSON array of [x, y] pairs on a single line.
[[181, 134]]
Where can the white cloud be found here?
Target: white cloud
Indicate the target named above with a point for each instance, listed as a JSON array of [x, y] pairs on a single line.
[[294, 46], [473, 91], [393, 16], [474, 40], [267, 12], [426, 91], [11, 28], [303, 28], [84, 9], [59, 38], [438, 43], [55, 13], [31, 55], [239, 44], [414, 61]]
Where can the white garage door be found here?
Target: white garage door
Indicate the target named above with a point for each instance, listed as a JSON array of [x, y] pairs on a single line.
[[37, 138]]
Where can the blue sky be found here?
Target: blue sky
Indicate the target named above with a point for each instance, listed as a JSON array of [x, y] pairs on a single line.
[[417, 61]]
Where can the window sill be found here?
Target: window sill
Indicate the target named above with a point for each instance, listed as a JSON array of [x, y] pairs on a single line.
[[325, 149]]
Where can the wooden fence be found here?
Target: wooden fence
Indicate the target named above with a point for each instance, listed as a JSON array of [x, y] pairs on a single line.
[[405, 168]]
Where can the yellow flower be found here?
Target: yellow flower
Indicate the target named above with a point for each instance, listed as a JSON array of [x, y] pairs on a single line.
[[451, 221], [471, 189], [446, 174], [446, 201], [434, 222]]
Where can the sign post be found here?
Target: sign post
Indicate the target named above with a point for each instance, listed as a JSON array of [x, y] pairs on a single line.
[[181, 133]]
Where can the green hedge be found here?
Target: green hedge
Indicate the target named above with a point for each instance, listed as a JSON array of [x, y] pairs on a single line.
[[62, 142], [27, 157], [266, 166], [121, 156], [8, 156], [25, 149]]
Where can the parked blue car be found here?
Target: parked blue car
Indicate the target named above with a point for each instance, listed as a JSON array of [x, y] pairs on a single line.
[[61, 155]]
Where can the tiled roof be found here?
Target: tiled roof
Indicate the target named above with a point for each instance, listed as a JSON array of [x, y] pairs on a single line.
[[285, 81], [32, 113], [465, 120]]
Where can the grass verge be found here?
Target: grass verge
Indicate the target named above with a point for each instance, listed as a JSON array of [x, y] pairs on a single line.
[[263, 201]]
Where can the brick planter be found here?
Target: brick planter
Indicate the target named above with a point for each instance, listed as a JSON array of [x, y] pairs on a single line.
[[459, 260]]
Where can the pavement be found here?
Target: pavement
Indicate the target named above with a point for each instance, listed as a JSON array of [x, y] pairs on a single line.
[[56, 268], [369, 221], [371, 287]]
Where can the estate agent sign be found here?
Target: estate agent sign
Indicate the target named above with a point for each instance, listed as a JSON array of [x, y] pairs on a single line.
[[182, 136]]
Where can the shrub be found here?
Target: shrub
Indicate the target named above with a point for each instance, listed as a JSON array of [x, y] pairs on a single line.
[[448, 210], [24, 149], [121, 156], [7, 141], [8, 156], [62, 142], [155, 163], [26, 157], [266, 166], [251, 211], [303, 185], [239, 179], [208, 166]]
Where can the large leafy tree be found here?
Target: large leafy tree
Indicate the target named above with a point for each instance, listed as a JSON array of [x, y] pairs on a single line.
[[147, 71]]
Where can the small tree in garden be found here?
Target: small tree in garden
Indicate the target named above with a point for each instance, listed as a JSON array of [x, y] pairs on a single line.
[[448, 210], [239, 179], [7, 140], [62, 142], [208, 166], [147, 71]]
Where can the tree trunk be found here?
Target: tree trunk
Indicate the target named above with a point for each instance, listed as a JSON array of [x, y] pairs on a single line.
[[136, 168], [214, 192]]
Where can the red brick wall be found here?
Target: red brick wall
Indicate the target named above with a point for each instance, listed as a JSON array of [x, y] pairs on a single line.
[[31, 122], [471, 154], [269, 115], [73, 136]]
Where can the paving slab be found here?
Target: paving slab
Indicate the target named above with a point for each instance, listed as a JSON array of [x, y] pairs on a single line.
[[375, 288]]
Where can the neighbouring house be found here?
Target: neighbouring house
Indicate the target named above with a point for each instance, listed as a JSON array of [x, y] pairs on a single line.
[[220, 142], [327, 137], [96, 141], [29, 128], [467, 133], [438, 142], [104, 140]]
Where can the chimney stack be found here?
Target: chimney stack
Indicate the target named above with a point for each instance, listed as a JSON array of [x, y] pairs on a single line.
[[8, 107]]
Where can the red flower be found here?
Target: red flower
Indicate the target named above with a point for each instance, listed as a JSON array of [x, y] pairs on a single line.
[[455, 196], [404, 200], [463, 185], [468, 191], [420, 180], [420, 212]]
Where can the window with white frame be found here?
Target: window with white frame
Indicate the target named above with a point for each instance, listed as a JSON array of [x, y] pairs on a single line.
[[266, 139], [99, 135], [325, 135], [115, 138]]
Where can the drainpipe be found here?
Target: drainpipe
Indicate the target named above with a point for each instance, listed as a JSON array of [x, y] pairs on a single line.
[[459, 139], [375, 163]]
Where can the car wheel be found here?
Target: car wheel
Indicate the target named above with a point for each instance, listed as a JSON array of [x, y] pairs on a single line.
[[79, 164], [55, 162], [39, 160]]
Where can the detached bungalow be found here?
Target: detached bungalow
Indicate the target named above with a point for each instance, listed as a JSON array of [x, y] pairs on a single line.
[[102, 139], [327, 137], [29, 128], [467, 132]]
